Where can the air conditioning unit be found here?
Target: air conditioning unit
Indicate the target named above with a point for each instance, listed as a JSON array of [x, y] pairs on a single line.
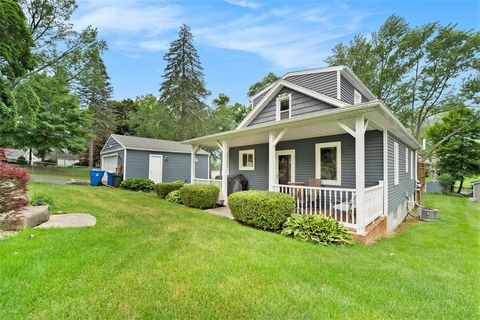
[[428, 214]]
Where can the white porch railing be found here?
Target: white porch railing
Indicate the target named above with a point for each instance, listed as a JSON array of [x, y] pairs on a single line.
[[338, 203], [373, 202], [213, 182]]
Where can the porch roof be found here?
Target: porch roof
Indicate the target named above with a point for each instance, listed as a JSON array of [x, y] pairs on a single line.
[[317, 124]]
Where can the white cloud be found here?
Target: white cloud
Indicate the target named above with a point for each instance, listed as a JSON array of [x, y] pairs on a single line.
[[244, 3]]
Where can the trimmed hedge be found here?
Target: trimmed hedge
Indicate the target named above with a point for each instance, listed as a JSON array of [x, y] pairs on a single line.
[[316, 229], [174, 197], [262, 209], [199, 196], [138, 184], [164, 188]]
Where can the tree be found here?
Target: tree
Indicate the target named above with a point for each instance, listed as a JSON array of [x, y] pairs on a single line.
[[413, 70], [15, 59], [123, 111], [459, 155], [60, 124], [224, 116], [94, 92], [183, 90], [265, 82]]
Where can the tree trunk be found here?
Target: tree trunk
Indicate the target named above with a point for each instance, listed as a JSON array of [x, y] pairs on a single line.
[[30, 156], [90, 154], [461, 186]]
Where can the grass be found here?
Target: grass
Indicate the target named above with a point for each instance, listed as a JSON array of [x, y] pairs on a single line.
[[147, 258], [60, 172]]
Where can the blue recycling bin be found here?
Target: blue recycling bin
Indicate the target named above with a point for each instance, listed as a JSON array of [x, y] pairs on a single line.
[[110, 178], [96, 177]]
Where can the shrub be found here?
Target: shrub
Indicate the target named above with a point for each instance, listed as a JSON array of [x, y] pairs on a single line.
[[164, 188], [138, 184], [21, 161], [39, 199], [13, 188], [446, 182], [199, 196], [174, 197], [262, 209], [317, 229]]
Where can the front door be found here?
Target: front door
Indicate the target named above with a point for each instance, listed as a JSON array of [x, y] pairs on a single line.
[[286, 166], [155, 172]]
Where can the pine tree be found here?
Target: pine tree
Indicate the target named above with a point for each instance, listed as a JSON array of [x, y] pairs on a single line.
[[183, 91], [94, 92]]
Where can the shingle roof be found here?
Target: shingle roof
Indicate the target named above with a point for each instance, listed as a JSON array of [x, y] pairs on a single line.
[[132, 142]]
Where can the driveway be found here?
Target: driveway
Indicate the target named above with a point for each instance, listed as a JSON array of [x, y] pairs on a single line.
[[56, 180]]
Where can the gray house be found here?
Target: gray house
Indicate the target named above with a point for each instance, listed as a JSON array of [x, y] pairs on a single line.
[[158, 160], [321, 136]]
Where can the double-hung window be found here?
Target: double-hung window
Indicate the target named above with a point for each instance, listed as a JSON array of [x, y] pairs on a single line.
[[284, 106], [328, 163], [246, 160]]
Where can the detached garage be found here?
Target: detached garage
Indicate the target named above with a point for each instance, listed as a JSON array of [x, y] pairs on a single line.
[[158, 160]]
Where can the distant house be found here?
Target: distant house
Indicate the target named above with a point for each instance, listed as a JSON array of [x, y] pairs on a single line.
[[64, 159], [321, 136], [12, 155], [158, 160]]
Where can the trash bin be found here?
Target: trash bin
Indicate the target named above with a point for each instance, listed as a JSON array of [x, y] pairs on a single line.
[[110, 178], [117, 179], [96, 177]]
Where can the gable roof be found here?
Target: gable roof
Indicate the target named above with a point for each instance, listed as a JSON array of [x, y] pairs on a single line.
[[148, 144]]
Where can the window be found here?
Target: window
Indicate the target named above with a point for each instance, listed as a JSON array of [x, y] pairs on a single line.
[[284, 106], [246, 160], [357, 97], [328, 163], [406, 160], [413, 165], [395, 163]]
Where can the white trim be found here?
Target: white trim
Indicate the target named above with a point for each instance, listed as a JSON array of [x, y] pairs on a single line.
[[315, 70], [204, 153], [260, 92], [111, 136], [110, 151], [240, 159], [356, 82], [339, 85], [406, 159], [109, 156], [385, 172], [291, 153], [357, 97], [161, 167], [124, 164], [360, 172], [318, 164], [278, 102], [396, 163]]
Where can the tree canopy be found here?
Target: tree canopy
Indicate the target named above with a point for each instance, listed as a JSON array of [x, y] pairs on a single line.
[[262, 84]]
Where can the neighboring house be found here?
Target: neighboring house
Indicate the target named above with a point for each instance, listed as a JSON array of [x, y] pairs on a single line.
[[323, 137], [64, 159], [12, 155], [158, 160]]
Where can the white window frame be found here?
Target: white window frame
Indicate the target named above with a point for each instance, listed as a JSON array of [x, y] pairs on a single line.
[[357, 97], [413, 166], [281, 98], [291, 153], [318, 164], [395, 163], [406, 160], [240, 159]]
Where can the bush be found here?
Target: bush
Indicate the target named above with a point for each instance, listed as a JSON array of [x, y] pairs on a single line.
[[262, 209], [164, 188], [174, 197], [39, 199], [317, 229], [21, 161], [199, 196], [13, 188], [138, 184], [446, 182]]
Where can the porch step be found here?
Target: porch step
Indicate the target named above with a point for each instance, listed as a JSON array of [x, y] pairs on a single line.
[[373, 232]]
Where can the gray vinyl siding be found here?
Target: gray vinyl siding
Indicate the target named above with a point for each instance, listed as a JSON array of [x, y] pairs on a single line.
[[324, 83], [256, 101], [347, 89], [301, 105], [176, 166], [305, 160], [110, 145], [405, 187]]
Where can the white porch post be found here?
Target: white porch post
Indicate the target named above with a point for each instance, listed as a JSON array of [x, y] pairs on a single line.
[[192, 162], [225, 169], [271, 160], [360, 172], [385, 172]]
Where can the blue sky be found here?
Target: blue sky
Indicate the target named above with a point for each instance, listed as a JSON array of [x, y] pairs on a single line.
[[239, 41]]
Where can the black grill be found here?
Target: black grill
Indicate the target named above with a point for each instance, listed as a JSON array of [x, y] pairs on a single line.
[[237, 182]]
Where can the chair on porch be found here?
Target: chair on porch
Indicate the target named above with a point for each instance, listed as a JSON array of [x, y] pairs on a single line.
[[346, 209]]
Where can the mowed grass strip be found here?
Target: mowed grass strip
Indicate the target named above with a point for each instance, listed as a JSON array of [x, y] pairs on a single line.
[[147, 258]]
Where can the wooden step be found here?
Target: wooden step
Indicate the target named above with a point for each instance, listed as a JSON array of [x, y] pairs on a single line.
[[373, 232]]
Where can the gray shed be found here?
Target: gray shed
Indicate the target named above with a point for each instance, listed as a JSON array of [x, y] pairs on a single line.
[[476, 190], [158, 160]]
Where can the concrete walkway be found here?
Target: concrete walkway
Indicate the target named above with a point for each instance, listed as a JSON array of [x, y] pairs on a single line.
[[221, 211], [69, 220]]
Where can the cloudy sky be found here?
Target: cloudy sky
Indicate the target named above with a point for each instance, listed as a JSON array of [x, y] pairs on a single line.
[[239, 41]]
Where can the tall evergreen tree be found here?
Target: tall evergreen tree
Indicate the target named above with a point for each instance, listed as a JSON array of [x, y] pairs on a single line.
[[183, 90], [94, 92]]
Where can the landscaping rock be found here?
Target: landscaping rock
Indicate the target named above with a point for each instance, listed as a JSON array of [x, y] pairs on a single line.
[[69, 220], [28, 217]]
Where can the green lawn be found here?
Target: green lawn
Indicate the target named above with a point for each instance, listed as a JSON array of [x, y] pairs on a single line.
[[147, 258], [60, 172]]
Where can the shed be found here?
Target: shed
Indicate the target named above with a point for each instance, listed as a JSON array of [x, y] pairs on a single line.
[[476, 190], [158, 160]]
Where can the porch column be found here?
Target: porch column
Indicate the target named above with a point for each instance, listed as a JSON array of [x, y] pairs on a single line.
[[360, 172], [273, 139], [192, 162], [225, 170]]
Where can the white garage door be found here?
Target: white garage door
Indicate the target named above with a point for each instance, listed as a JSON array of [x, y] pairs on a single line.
[[109, 163]]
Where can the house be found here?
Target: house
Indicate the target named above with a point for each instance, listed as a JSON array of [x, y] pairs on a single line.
[[158, 160], [64, 158], [321, 136], [12, 155]]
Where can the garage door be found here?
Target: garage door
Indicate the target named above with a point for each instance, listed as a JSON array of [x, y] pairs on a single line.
[[109, 163]]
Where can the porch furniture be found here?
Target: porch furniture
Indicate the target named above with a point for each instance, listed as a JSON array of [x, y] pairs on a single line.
[[315, 183]]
